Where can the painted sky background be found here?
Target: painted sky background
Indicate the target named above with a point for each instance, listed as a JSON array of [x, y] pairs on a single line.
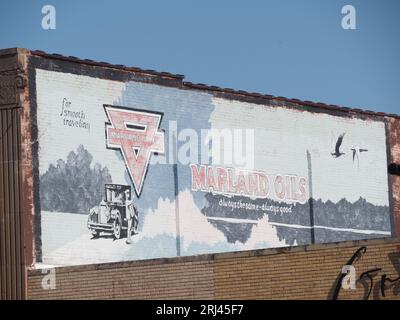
[[282, 47]]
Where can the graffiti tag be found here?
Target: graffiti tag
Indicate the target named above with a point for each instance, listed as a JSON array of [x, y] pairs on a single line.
[[348, 276]]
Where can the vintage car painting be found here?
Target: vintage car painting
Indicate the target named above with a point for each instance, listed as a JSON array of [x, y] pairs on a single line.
[[113, 213]]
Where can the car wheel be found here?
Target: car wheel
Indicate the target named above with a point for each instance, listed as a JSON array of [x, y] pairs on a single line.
[[117, 228], [95, 233]]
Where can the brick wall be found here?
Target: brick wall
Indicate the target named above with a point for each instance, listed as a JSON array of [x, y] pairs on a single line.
[[304, 272], [394, 142]]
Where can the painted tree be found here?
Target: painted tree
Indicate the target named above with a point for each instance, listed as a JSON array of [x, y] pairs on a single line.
[[73, 185]]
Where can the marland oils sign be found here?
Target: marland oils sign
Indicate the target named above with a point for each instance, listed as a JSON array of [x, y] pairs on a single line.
[[133, 170]]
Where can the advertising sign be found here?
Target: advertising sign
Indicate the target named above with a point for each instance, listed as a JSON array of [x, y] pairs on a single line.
[[133, 170]]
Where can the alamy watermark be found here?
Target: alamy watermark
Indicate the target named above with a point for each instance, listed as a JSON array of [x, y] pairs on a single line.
[[349, 280], [218, 146], [349, 18], [49, 18], [348, 21], [49, 279]]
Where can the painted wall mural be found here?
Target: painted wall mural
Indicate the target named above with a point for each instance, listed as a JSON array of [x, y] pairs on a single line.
[[137, 171]]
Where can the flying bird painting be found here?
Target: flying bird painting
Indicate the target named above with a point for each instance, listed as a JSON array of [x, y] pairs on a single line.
[[337, 152], [356, 153]]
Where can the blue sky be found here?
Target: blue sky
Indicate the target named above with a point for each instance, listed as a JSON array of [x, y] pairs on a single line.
[[292, 48]]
